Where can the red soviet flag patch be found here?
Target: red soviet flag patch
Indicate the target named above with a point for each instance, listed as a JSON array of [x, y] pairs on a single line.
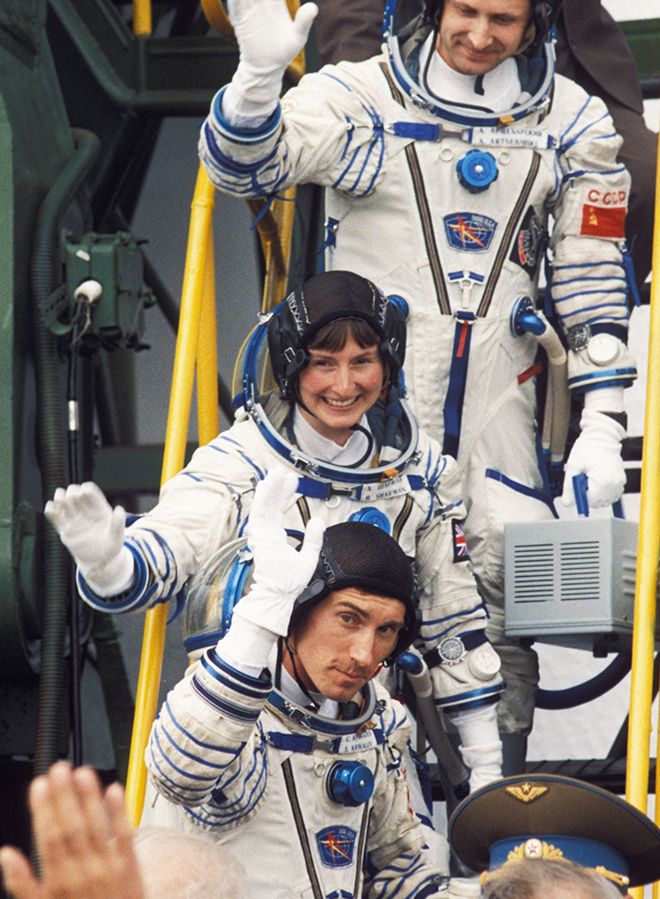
[[603, 221]]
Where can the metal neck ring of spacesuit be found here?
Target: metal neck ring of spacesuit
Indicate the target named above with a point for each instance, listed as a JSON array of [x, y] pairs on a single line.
[[249, 399], [537, 102]]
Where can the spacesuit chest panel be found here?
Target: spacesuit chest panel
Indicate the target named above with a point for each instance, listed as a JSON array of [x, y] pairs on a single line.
[[445, 228], [308, 845]]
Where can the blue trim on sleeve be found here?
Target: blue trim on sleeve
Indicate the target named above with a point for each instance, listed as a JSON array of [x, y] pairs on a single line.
[[243, 135], [132, 598]]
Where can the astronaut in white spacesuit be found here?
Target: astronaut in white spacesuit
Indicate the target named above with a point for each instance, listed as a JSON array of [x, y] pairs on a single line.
[[336, 348], [443, 159], [277, 741]]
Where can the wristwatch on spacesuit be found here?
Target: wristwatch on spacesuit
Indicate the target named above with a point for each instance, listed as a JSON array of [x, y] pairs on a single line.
[[453, 650], [601, 341]]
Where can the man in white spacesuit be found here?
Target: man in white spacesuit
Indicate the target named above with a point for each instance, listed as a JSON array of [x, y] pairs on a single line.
[[277, 742], [336, 347], [442, 160]]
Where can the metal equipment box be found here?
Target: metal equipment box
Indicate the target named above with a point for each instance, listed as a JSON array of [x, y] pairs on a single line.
[[572, 583]]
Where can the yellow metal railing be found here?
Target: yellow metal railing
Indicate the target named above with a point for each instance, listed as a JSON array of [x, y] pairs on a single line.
[[197, 304], [196, 350], [648, 547], [141, 17]]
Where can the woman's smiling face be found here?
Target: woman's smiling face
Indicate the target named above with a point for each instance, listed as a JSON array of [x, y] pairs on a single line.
[[337, 387]]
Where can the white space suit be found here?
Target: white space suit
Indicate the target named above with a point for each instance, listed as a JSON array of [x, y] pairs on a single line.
[[237, 759], [402, 209], [206, 506]]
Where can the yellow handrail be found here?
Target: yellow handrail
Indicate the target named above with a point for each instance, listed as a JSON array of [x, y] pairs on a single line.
[[196, 346], [141, 17], [641, 684], [195, 277], [208, 418]]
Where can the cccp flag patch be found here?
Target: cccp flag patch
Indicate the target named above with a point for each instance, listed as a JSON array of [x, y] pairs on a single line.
[[603, 221]]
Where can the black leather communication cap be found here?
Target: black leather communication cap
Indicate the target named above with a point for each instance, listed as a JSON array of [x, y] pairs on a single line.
[[357, 554], [318, 302], [550, 816]]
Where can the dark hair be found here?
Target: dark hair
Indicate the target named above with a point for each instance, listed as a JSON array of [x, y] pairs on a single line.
[[333, 336], [358, 554]]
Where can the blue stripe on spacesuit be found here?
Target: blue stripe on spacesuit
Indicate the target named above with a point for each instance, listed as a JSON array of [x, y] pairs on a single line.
[[167, 556], [213, 814], [193, 477], [576, 119], [224, 677], [589, 265], [231, 684], [495, 475], [261, 684], [201, 743], [456, 621], [243, 135], [586, 309], [453, 410], [198, 759], [238, 713], [376, 141], [221, 815], [135, 597], [211, 779], [580, 173], [615, 375], [585, 293], [484, 695], [241, 452], [581, 278], [398, 872], [349, 136], [229, 165]]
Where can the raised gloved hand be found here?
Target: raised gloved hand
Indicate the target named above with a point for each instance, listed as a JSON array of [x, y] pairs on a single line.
[[597, 450], [280, 571], [268, 40], [93, 532]]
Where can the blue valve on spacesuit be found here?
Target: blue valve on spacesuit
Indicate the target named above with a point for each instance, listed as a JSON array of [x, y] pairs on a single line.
[[350, 783], [370, 515], [477, 170], [525, 320]]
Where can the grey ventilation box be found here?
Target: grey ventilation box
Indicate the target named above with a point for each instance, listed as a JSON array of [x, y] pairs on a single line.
[[571, 583]]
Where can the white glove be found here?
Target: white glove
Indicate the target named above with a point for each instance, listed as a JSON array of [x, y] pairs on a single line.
[[268, 40], [481, 748], [597, 450], [93, 532], [280, 571], [463, 887]]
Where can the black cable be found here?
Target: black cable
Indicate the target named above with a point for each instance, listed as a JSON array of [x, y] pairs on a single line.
[[73, 406]]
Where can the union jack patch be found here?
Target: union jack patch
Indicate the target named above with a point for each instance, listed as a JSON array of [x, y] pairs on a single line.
[[336, 846], [461, 553], [469, 231]]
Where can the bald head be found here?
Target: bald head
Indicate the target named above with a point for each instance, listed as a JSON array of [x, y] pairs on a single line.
[[177, 865], [547, 879]]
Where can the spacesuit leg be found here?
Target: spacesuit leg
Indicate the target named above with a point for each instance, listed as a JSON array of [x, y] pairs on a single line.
[[493, 503]]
